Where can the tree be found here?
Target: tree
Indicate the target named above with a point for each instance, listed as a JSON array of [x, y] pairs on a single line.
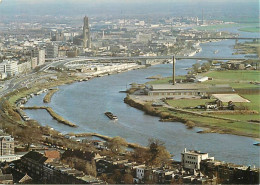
[[140, 155], [128, 179], [117, 145], [157, 153], [91, 168], [206, 66], [196, 67]]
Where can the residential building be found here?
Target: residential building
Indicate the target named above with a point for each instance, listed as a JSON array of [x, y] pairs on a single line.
[[24, 67], [34, 61], [52, 155], [9, 67], [6, 179], [7, 148], [36, 166], [191, 159], [3, 76]]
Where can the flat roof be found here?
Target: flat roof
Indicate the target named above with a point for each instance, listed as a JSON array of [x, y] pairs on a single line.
[[190, 86], [230, 97], [194, 152]]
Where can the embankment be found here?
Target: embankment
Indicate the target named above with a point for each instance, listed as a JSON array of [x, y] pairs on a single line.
[[210, 128], [107, 138], [48, 96], [55, 116], [148, 109]]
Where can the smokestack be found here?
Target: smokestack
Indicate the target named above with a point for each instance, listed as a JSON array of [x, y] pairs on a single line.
[[173, 70]]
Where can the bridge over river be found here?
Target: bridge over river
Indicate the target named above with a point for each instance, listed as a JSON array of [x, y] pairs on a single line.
[[143, 58]]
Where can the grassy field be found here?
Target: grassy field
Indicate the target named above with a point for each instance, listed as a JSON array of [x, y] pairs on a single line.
[[240, 127], [164, 80], [234, 75], [220, 26], [21, 94], [215, 27], [250, 29], [235, 78]]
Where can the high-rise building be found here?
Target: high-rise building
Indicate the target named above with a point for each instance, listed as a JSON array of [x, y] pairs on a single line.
[[86, 33], [52, 50], [40, 54]]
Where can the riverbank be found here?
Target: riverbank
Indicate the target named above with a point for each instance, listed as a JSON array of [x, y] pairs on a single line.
[[55, 116], [48, 96], [106, 138], [211, 125], [244, 121]]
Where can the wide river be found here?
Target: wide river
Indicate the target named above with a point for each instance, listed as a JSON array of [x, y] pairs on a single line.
[[84, 103]]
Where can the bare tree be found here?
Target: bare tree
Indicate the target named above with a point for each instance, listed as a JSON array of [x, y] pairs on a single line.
[[117, 145]]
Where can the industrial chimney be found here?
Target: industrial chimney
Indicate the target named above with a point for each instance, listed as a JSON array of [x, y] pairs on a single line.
[[173, 70]]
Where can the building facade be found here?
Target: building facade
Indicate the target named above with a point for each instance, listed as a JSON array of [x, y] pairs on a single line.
[[40, 54], [191, 159], [9, 67], [86, 33], [52, 50], [7, 145]]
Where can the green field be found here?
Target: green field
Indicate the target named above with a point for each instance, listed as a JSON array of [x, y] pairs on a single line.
[[164, 80], [236, 127], [250, 29], [215, 27], [220, 26], [237, 79], [234, 75]]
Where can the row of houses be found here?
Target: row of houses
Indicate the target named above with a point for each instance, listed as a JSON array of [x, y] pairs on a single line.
[[194, 167], [42, 170]]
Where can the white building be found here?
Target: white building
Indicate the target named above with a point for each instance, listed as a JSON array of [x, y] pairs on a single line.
[[191, 159], [24, 67], [7, 148], [139, 173], [40, 54], [9, 67]]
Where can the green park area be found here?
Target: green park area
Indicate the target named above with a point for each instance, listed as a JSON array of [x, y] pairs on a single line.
[[246, 27], [165, 80], [250, 29], [235, 78]]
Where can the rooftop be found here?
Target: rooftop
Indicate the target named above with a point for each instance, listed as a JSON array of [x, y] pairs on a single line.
[[230, 97], [194, 152], [190, 86]]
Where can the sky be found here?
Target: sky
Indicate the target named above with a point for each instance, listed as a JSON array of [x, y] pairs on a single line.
[[217, 8]]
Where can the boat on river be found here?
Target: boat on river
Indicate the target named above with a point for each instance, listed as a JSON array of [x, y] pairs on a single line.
[[111, 116]]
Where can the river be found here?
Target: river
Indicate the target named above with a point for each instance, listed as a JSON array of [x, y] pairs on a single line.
[[84, 103]]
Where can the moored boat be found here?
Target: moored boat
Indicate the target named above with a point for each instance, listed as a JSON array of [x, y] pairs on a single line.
[[111, 116]]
